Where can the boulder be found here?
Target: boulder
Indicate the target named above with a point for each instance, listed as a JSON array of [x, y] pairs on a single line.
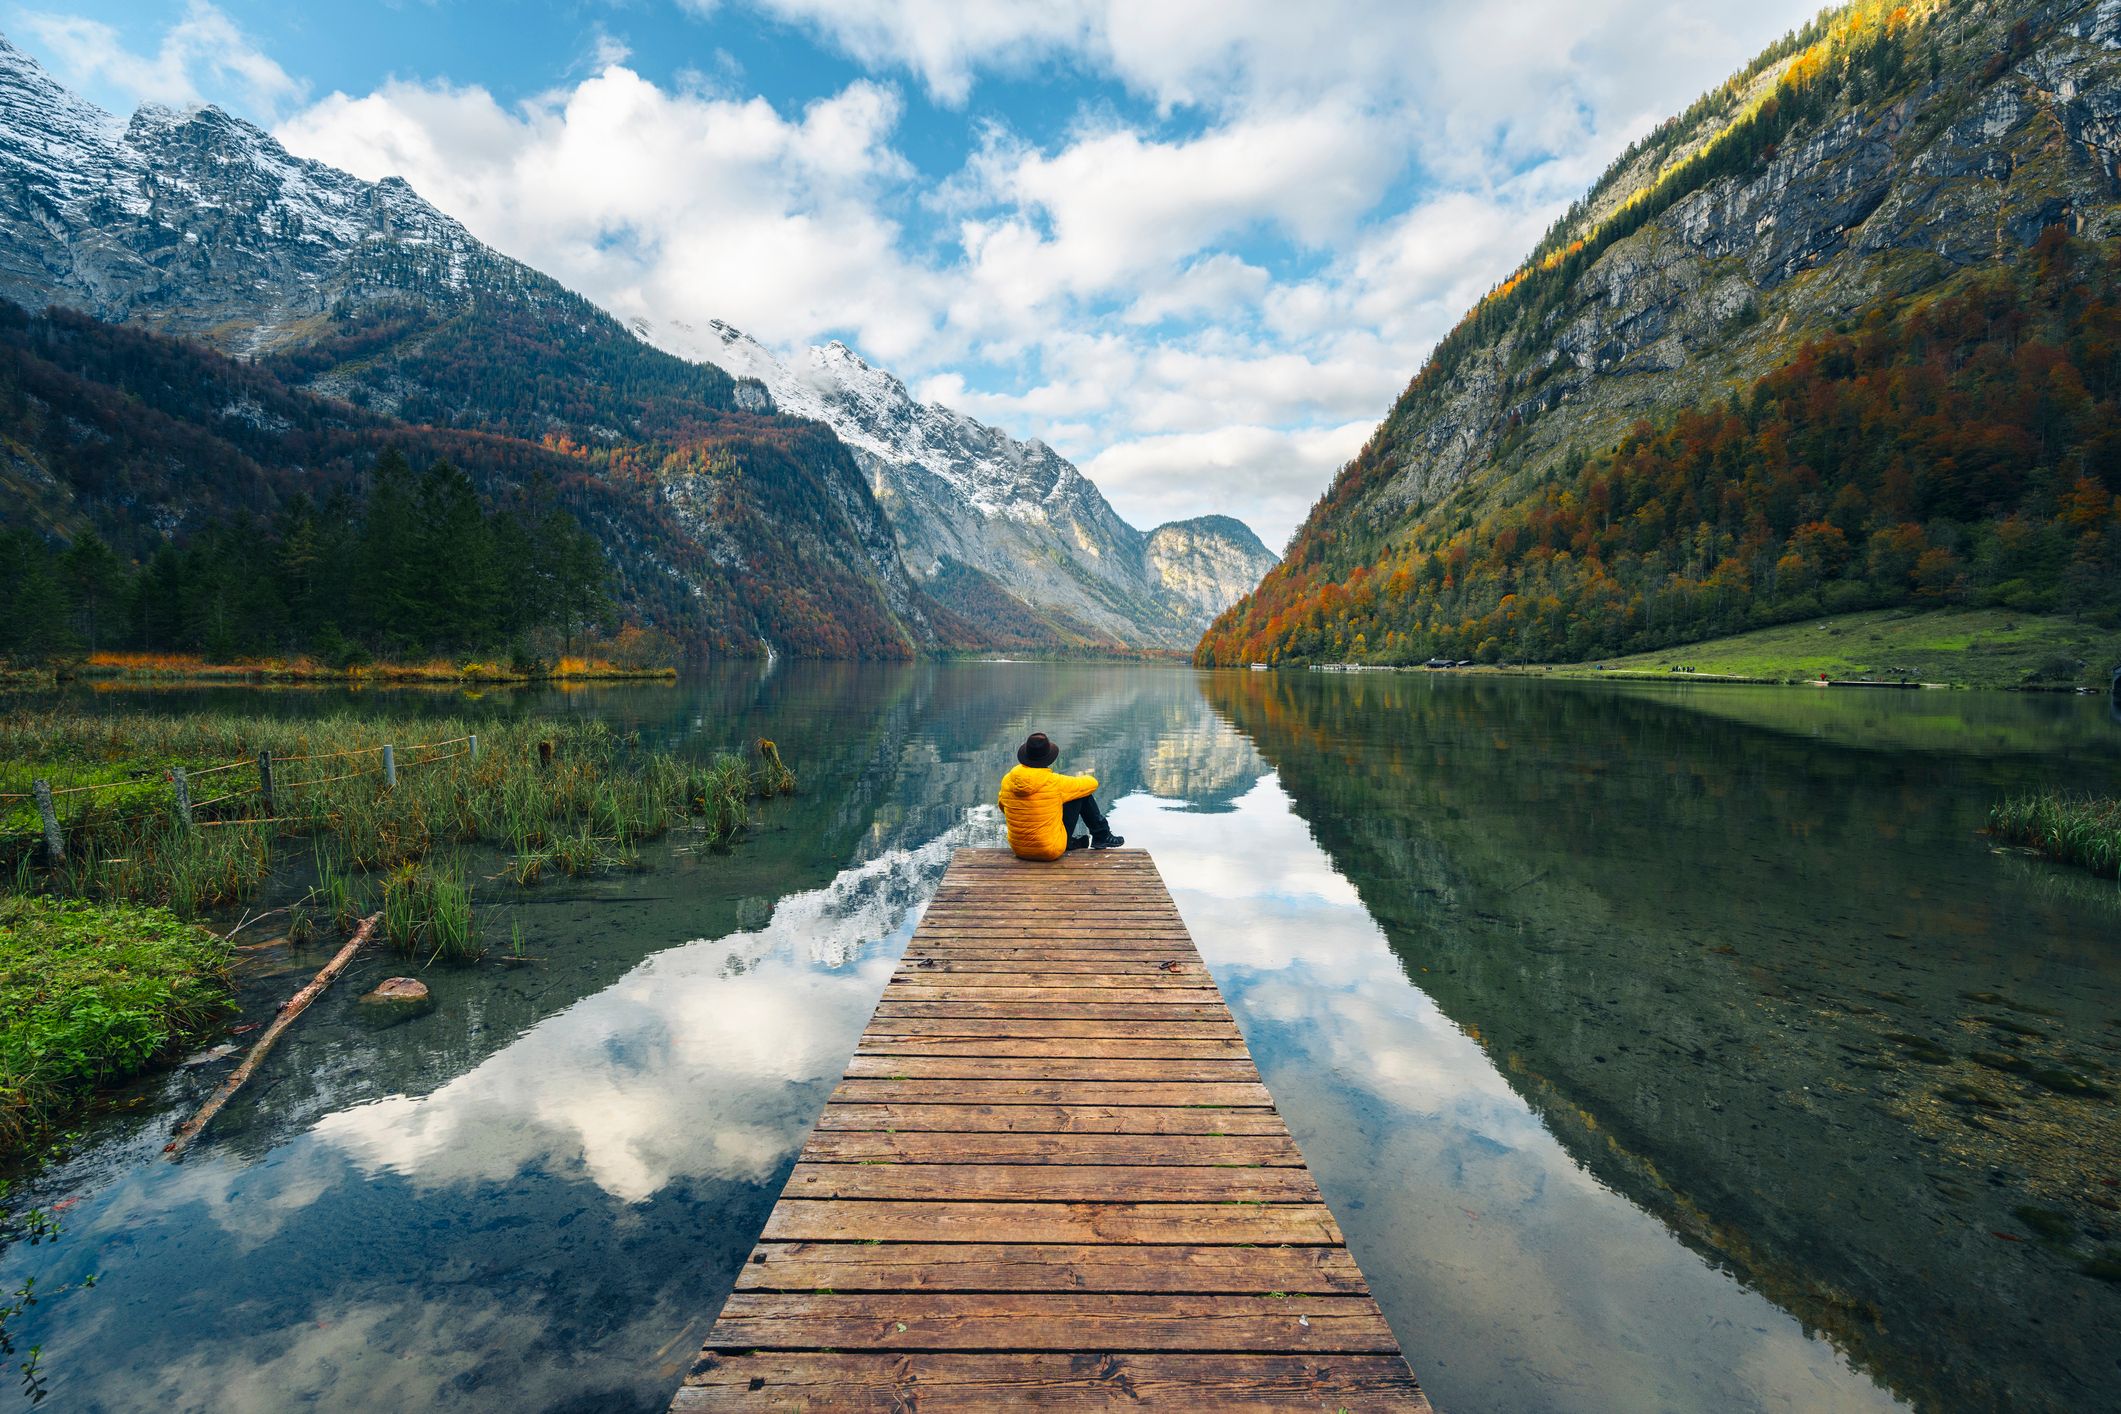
[[398, 989]]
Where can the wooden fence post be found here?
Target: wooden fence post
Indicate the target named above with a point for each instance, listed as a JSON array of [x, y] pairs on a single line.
[[474, 748], [54, 837], [265, 781], [390, 768], [183, 793]]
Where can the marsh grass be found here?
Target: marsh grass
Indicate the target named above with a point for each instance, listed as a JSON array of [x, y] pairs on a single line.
[[92, 994], [427, 913], [2075, 829], [568, 796]]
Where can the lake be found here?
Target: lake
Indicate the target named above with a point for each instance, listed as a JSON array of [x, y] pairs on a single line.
[[1659, 1048]]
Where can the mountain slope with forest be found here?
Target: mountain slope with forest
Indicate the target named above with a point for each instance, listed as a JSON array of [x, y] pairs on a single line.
[[1842, 335], [158, 444], [362, 317]]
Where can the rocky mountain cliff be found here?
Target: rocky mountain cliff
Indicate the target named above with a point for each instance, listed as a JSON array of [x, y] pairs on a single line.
[[1774, 261], [747, 532], [982, 517]]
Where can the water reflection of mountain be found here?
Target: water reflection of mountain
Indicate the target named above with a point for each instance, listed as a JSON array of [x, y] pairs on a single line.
[[1744, 976], [892, 761]]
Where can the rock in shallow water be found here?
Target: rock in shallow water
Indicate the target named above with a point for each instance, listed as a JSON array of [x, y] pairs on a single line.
[[396, 996]]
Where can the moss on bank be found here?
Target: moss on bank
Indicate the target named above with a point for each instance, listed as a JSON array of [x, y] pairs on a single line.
[[90, 995]]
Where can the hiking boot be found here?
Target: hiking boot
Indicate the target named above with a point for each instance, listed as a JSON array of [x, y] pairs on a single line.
[[1107, 841], [1076, 842]]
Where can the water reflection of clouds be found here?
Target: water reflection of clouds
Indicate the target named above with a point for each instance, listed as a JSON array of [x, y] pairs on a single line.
[[1477, 1228], [705, 1061]]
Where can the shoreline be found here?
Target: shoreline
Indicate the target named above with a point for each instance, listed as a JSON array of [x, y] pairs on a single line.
[[165, 670]]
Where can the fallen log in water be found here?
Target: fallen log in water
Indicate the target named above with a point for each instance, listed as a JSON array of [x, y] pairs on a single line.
[[293, 1007]]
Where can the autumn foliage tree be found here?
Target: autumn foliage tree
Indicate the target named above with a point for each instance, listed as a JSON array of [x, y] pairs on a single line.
[[1964, 448]]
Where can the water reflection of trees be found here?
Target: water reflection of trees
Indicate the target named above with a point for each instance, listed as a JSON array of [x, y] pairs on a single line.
[[1745, 976]]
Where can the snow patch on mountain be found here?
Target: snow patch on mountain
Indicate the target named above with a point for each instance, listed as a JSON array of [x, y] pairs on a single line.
[[962, 493]]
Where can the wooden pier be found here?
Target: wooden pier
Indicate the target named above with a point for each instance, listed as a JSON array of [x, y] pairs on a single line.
[[1051, 1177]]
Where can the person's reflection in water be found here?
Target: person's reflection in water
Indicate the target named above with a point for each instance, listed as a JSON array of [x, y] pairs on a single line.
[[1043, 807]]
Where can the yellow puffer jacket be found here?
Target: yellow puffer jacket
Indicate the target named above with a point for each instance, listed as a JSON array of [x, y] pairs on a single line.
[[1032, 797]]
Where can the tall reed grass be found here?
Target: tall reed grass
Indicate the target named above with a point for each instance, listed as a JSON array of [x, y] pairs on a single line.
[[427, 913], [2076, 829], [561, 795]]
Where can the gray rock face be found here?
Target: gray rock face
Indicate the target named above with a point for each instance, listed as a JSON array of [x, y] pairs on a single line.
[[962, 495], [1883, 196], [196, 223], [1207, 562]]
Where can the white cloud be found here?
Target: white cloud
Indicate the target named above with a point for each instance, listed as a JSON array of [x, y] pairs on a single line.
[[1208, 307], [1266, 476], [667, 204], [203, 56]]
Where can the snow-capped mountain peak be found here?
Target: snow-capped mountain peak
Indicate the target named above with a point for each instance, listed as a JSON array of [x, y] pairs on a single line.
[[963, 495]]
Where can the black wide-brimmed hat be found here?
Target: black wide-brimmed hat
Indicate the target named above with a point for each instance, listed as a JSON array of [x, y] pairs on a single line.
[[1037, 750]]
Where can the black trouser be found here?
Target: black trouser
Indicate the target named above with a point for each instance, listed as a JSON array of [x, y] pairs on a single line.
[[1084, 808]]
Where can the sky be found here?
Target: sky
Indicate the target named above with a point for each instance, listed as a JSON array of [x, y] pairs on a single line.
[[1198, 246]]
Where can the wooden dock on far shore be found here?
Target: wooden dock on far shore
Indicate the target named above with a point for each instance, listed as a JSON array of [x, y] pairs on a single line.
[[1051, 1178]]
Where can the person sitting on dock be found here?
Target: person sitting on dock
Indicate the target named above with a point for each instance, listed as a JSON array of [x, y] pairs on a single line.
[[1042, 806]]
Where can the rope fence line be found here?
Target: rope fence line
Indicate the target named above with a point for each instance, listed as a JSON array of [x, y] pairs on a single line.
[[103, 785], [319, 781], [351, 751], [195, 774], [180, 778]]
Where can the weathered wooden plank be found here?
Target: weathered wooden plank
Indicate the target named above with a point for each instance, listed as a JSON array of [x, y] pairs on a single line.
[[1049, 1119], [1002, 1266], [919, 1320], [968, 1029], [1032, 965], [1050, 972], [1057, 1068], [1016, 950], [927, 1147], [1078, 1011], [1053, 1183], [1133, 891], [965, 990], [1017, 942], [824, 1220], [1118, 1047], [1082, 921], [976, 1384], [983, 982], [1061, 906], [857, 1091]]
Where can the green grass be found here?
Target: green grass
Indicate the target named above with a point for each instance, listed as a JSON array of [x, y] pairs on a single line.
[[1963, 647], [90, 995], [427, 914], [574, 796], [2075, 829]]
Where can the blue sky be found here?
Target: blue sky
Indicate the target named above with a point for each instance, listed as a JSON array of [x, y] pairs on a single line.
[[1197, 245]]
